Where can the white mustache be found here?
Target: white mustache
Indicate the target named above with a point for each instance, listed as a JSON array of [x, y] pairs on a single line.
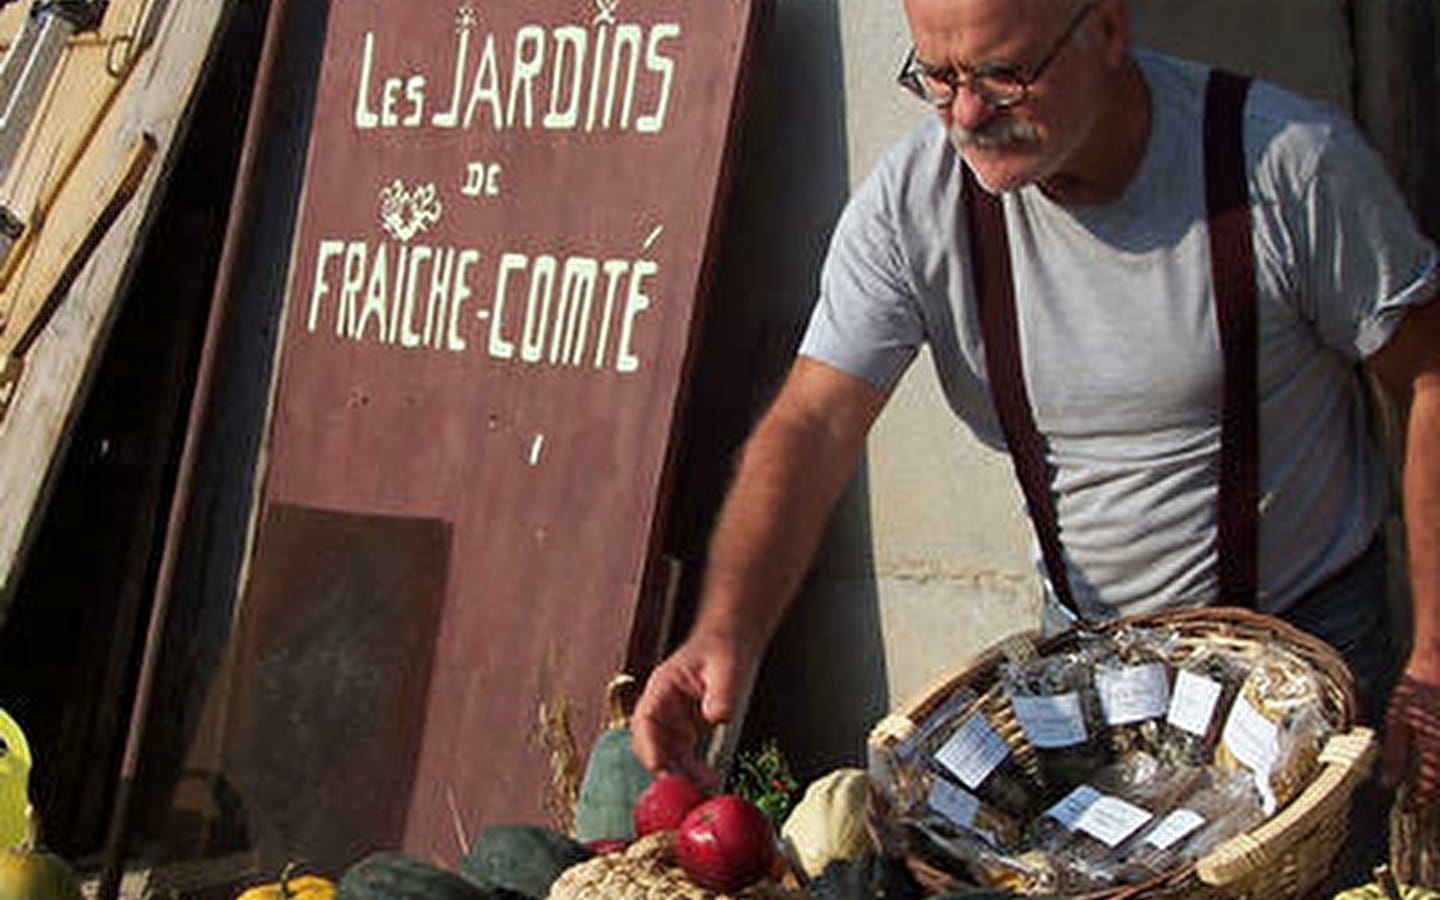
[[996, 133]]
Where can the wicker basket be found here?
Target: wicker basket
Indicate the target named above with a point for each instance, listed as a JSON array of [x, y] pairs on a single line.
[[1288, 857]]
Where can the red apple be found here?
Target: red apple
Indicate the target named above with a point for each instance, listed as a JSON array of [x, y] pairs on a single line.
[[725, 844], [664, 802], [602, 846]]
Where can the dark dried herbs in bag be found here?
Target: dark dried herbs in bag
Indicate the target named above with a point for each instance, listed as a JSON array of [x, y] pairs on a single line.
[[1055, 702], [1205, 686], [1132, 681], [974, 753], [941, 778]]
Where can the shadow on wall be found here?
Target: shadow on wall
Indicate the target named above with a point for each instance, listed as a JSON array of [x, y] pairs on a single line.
[[1305, 45], [791, 179]]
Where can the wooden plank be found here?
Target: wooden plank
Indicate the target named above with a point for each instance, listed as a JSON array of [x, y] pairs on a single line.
[[87, 126], [493, 292]]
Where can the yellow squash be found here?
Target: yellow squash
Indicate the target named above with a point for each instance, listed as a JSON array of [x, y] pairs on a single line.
[[306, 887], [1374, 891], [37, 875], [17, 827]]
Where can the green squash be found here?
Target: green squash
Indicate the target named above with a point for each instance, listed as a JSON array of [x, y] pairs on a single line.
[[613, 776], [525, 859], [613, 779], [393, 876]]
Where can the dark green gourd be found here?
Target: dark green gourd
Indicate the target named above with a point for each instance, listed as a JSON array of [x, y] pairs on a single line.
[[525, 859], [393, 876], [613, 776]]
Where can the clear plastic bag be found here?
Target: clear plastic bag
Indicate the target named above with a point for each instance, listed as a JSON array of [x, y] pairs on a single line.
[[1132, 681], [1205, 686], [1222, 805], [971, 751], [1087, 835], [1056, 704], [1275, 728], [1080, 834], [945, 776]]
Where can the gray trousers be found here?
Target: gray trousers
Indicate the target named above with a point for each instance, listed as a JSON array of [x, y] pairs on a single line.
[[1350, 612]]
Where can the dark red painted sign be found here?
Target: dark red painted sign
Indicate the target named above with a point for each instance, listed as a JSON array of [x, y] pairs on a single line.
[[492, 294]]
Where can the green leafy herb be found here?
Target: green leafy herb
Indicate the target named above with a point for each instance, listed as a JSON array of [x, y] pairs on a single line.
[[763, 777]]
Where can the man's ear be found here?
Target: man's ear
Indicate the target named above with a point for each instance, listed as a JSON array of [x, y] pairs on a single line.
[[1112, 28]]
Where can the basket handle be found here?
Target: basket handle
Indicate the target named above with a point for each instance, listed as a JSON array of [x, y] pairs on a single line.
[[1346, 760]]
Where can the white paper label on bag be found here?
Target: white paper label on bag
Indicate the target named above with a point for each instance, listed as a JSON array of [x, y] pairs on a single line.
[[1069, 810], [1112, 820], [1173, 827], [1255, 741], [954, 803], [1050, 721], [973, 751], [1192, 706], [1133, 693], [1105, 818]]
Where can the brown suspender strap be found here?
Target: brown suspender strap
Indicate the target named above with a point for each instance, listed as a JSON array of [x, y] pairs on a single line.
[[1232, 266], [995, 286], [1232, 263]]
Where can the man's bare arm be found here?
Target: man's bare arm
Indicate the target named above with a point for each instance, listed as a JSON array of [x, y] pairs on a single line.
[[791, 471], [1409, 368]]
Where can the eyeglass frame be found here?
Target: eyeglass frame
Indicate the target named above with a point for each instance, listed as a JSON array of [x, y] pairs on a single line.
[[913, 69]]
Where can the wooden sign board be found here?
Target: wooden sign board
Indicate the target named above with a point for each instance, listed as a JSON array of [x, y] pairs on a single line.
[[492, 299]]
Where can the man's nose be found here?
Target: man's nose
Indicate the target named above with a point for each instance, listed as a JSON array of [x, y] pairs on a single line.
[[967, 109]]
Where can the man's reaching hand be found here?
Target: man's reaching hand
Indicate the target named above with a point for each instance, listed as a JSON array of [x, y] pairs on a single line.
[[694, 689]]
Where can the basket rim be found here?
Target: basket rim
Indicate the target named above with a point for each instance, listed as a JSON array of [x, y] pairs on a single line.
[[1322, 656]]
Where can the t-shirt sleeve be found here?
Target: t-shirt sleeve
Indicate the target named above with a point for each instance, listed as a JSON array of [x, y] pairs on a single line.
[[1363, 262], [866, 321]]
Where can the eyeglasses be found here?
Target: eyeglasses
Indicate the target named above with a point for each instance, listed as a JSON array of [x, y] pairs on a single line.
[[999, 87]]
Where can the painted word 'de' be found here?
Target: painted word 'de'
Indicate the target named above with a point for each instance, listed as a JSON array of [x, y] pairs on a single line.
[[571, 312]]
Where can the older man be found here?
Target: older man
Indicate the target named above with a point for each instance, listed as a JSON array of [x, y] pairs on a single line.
[[1156, 287]]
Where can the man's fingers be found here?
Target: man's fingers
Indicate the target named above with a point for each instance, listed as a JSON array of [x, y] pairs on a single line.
[[1424, 764], [691, 691], [1397, 745], [661, 737], [718, 706], [1427, 782], [668, 721], [1412, 741], [660, 750], [722, 691], [691, 767]]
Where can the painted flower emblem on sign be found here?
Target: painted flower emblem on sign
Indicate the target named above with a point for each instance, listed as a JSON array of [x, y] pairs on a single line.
[[406, 213]]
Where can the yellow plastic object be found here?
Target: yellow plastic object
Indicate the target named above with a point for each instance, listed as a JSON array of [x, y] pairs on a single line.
[[16, 822], [829, 821], [305, 887]]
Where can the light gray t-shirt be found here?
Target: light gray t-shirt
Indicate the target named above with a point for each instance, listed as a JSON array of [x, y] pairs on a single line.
[[1119, 340]]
